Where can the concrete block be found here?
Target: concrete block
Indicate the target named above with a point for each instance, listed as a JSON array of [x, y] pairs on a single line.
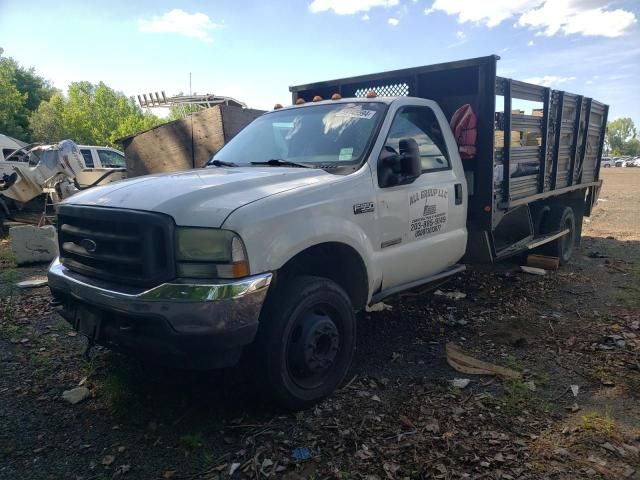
[[31, 244]]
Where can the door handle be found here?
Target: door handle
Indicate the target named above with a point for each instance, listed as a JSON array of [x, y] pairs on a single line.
[[458, 193]]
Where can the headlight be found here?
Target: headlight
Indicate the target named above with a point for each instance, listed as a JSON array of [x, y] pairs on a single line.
[[210, 253]]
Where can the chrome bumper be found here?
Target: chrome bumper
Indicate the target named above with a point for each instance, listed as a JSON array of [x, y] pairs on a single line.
[[190, 308]]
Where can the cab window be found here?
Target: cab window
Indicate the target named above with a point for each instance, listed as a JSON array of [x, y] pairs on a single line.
[[87, 157], [420, 124], [110, 159]]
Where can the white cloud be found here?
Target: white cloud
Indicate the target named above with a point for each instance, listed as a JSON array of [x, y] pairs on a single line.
[[349, 7], [530, 44], [490, 13], [460, 35], [366, 17], [547, 17], [570, 17], [195, 25], [549, 80], [393, 21]]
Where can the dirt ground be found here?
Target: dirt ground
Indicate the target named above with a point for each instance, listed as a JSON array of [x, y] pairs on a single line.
[[573, 335]]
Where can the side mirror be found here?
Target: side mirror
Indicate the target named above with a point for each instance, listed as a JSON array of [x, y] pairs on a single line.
[[399, 168]]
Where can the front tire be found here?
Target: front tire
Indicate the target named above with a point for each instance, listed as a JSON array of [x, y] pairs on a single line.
[[306, 341], [561, 218]]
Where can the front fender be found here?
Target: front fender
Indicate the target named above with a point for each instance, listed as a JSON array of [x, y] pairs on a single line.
[[276, 229]]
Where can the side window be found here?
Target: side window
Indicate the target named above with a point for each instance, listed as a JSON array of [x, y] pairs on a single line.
[[86, 155], [420, 124], [111, 159]]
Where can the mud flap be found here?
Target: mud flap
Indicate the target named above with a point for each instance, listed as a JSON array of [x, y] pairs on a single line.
[[592, 198]]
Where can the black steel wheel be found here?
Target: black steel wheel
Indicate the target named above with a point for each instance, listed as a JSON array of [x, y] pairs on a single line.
[[306, 340]]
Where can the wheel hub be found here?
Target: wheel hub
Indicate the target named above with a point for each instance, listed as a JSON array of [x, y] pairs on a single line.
[[318, 344]]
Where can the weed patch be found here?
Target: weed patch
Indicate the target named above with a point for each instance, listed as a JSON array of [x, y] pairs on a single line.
[[191, 442], [604, 424]]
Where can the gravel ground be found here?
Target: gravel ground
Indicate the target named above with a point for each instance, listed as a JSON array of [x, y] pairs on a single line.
[[576, 330]]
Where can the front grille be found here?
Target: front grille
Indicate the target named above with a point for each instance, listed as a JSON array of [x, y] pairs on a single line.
[[127, 246]]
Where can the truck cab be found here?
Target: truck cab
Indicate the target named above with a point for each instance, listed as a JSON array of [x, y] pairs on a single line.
[[314, 211]]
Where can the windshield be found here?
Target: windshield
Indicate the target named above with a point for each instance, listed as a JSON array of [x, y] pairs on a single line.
[[319, 136]]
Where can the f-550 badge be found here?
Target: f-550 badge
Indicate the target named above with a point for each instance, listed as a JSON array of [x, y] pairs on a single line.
[[365, 207]]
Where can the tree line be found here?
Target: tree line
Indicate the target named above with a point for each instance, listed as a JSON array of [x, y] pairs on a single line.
[[32, 110], [622, 138]]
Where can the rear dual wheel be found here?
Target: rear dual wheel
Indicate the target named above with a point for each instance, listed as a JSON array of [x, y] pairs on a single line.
[[561, 218]]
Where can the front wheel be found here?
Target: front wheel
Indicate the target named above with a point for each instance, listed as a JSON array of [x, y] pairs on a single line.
[[306, 340]]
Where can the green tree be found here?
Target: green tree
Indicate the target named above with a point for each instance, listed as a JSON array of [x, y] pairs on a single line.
[[11, 106], [90, 114], [46, 123], [619, 133], [632, 147], [176, 112], [21, 92]]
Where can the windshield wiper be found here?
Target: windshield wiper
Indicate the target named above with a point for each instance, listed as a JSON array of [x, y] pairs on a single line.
[[221, 163], [277, 162]]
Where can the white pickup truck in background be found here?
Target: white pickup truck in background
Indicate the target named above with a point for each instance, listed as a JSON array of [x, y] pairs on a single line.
[[317, 210], [60, 169]]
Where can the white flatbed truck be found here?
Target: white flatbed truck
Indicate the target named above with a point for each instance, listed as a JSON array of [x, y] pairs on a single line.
[[316, 210]]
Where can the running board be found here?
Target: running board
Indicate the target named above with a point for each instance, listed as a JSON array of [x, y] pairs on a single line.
[[529, 243], [417, 283], [541, 240]]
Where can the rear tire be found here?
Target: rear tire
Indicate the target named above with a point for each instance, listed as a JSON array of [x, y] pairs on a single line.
[[561, 218], [306, 341]]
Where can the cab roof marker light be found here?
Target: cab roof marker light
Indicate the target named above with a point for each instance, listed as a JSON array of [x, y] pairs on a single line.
[[371, 94], [336, 96], [300, 101], [317, 98]]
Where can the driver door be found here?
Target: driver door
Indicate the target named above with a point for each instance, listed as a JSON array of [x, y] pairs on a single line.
[[422, 225]]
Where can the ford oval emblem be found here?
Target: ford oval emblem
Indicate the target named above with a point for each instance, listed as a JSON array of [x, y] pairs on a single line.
[[88, 244]]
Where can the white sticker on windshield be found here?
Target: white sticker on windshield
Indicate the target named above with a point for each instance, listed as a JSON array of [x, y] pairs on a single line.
[[356, 113], [345, 154]]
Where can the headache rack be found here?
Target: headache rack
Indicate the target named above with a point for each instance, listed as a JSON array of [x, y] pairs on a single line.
[[560, 142]]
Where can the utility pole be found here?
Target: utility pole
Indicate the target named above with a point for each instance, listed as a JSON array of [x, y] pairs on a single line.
[[190, 91]]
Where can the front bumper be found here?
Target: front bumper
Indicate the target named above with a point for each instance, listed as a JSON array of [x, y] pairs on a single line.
[[182, 324]]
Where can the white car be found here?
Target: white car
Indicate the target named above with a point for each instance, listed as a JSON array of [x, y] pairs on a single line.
[[102, 157], [622, 162], [606, 162]]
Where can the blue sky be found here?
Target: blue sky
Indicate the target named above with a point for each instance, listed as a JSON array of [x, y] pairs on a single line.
[[253, 50]]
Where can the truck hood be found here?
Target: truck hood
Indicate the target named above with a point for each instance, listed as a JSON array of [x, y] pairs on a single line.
[[200, 198]]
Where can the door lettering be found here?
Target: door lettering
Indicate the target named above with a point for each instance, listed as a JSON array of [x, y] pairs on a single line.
[[428, 211]]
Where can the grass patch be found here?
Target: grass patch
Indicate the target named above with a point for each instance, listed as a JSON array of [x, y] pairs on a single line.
[[516, 394], [603, 424], [118, 384], [209, 461], [191, 442], [8, 294], [630, 294], [7, 260], [9, 329], [116, 388], [514, 363]]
